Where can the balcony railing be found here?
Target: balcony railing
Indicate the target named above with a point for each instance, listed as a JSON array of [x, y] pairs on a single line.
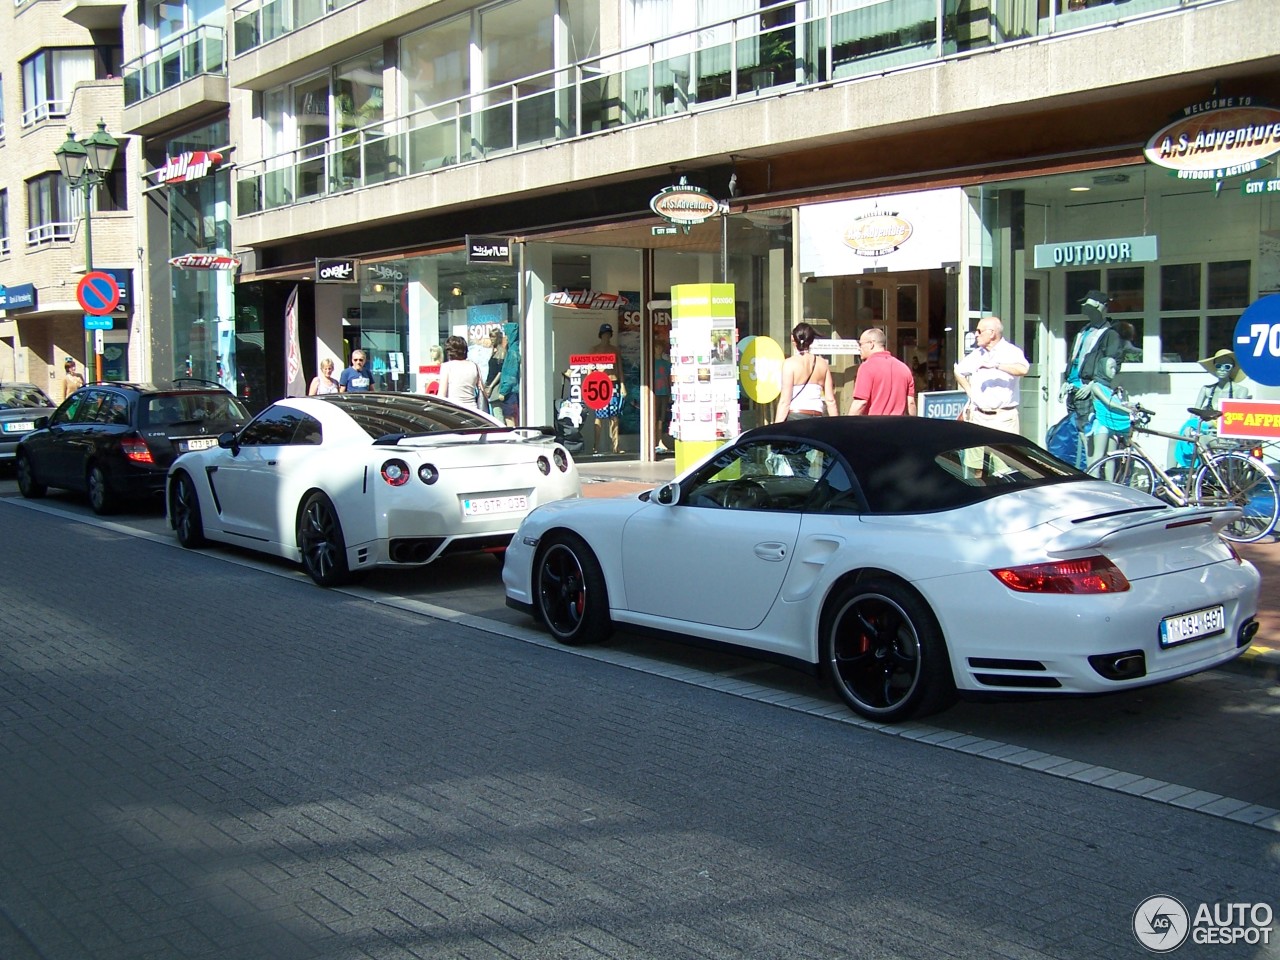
[[45, 110], [260, 21], [4, 246], [193, 53], [765, 53], [47, 233]]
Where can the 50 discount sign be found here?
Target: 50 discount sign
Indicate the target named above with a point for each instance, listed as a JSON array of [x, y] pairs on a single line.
[[1257, 341], [597, 391]]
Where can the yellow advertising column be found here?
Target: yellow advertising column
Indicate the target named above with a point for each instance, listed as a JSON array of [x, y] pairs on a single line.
[[704, 368]]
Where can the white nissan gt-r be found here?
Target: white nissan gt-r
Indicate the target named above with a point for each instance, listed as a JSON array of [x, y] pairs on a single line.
[[907, 559], [347, 482]]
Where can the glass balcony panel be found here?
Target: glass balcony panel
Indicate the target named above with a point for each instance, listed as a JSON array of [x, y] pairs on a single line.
[[492, 132], [383, 155], [248, 31], [249, 195], [434, 145], [882, 35], [537, 122], [278, 188]]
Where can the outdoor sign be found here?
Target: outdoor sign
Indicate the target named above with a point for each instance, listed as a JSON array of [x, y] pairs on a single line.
[[340, 270], [923, 230], [1082, 252], [1217, 138], [124, 283], [20, 296], [1253, 188], [685, 205], [92, 322], [1257, 341], [488, 249], [877, 232], [942, 404], [831, 347], [191, 165], [1252, 419], [760, 368], [97, 294], [382, 273], [204, 261], [585, 300], [704, 367]]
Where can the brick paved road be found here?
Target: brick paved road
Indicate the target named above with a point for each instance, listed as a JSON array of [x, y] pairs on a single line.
[[203, 761]]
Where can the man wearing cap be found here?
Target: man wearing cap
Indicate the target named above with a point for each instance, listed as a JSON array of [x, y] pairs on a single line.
[[605, 347], [71, 378]]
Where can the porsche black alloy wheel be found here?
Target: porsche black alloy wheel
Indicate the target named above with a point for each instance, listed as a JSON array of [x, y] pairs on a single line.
[[187, 521], [100, 497], [324, 551], [569, 591], [884, 652], [27, 483]]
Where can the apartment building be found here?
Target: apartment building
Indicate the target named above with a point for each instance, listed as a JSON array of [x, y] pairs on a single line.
[[913, 164], [59, 71]]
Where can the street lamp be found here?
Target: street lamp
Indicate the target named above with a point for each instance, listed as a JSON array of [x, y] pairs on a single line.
[[86, 164]]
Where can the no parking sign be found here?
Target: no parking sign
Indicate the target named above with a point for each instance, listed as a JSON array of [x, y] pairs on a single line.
[[98, 293]]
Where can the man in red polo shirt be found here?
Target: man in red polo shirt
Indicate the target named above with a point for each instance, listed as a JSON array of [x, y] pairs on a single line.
[[884, 384]]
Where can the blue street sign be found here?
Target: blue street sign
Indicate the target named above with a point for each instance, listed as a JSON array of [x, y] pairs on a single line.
[[1257, 341], [97, 323]]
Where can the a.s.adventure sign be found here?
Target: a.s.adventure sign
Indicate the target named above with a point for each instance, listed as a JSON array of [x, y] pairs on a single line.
[[1217, 138], [686, 205]]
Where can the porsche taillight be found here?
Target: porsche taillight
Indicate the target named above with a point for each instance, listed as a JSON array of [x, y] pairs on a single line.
[[136, 449], [1086, 575]]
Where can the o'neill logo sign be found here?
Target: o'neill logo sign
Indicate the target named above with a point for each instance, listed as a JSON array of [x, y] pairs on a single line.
[[204, 261], [684, 205], [336, 271], [877, 233], [585, 300], [191, 165], [1217, 138]]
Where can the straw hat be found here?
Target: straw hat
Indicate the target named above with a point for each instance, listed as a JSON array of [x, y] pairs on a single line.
[[1223, 356]]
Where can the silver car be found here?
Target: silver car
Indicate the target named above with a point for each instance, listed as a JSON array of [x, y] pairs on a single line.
[[21, 404]]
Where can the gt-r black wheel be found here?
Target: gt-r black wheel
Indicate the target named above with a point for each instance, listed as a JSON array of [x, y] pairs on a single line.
[[30, 488], [100, 498], [187, 521], [324, 551], [884, 652], [569, 592]]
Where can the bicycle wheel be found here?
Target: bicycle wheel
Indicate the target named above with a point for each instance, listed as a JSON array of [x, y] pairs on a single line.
[[1127, 468], [1241, 481]]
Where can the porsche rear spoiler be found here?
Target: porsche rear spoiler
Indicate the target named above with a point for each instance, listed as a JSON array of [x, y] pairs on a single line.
[[1134, 528]]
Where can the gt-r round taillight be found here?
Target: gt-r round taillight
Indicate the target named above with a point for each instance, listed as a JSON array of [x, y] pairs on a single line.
[[544, 466], [395, 472], [428, 474], [561, 458], [1086, 575]]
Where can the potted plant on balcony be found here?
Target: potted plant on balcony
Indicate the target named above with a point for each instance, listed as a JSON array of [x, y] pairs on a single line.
[[777, 58]]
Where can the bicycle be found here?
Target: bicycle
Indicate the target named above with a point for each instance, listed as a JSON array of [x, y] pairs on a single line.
[[1230, 478]]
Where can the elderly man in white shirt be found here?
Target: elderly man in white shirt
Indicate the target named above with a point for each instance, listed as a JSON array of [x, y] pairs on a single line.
[[990, 375]]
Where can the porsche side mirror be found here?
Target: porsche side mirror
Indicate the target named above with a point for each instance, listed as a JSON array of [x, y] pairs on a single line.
[[228, 441], [668, 494]]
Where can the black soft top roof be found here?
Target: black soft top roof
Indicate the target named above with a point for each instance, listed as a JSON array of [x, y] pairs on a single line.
[[898, 461]]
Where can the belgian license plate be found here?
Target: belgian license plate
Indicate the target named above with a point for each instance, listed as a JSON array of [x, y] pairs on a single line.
[[199, 443], [489, 506], [1195, 625], [19, 426]]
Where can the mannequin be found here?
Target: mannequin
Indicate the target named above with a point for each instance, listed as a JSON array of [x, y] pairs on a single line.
[[1229, 384], [1089, 389]]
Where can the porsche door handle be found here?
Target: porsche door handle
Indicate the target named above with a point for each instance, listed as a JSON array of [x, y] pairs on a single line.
[[771, 551]]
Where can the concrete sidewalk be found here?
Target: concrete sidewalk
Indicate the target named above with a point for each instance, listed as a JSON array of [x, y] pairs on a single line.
[[630, 478]]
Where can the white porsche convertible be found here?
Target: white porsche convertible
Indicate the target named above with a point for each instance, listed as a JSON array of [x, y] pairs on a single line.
[[348, 482], [907, 559]]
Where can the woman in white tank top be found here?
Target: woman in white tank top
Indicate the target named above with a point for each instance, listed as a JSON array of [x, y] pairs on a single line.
[[807, 390], [460, 378]]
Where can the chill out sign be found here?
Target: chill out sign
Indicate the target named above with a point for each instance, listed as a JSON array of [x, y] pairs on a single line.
[[1080, 252]]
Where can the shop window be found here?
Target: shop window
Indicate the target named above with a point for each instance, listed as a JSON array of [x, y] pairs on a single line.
[[1126, 289], [1179, 339], [1212, 295], [1079, 283], [1228, 284], [1180, 286]]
